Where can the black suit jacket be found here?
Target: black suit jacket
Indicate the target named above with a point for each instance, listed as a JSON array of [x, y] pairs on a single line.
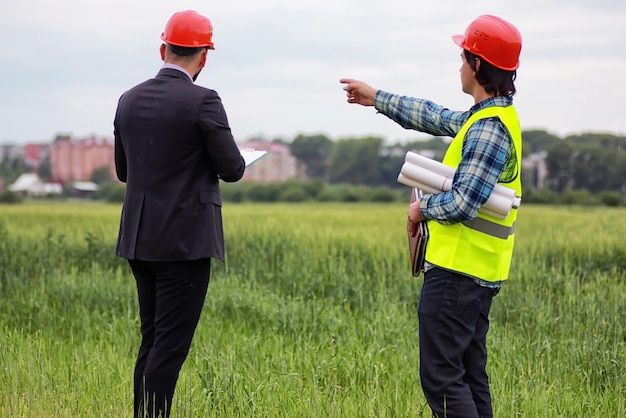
[[172, 144]]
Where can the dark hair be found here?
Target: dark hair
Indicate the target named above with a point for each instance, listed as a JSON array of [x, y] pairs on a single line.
[[494, 80], [183, 51]]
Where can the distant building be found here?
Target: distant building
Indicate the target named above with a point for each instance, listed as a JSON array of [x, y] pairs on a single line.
[[11, 152], [30, 184], [34, 154], [77, 159], [535, 170], [278, 165], [25, 182]]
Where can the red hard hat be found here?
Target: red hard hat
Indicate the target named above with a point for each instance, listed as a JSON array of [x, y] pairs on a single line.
[[188, 29], [493, 39]]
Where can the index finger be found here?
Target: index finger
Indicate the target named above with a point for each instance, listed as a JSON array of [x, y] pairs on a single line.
[[347, 81]]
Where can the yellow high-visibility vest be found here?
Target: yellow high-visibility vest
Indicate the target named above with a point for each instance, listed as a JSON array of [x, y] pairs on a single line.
[[482, 247]]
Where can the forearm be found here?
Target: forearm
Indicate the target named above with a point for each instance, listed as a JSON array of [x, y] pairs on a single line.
[[448, 207], [224, 155], [419, 114]]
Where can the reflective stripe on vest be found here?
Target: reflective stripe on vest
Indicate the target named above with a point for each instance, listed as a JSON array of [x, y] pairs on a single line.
[[490, 228], [481, 247]]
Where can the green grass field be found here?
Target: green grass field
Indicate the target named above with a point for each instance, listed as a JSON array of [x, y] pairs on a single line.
[[314, 314]]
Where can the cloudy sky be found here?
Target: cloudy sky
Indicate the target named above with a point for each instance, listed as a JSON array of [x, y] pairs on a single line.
[[277, 63]]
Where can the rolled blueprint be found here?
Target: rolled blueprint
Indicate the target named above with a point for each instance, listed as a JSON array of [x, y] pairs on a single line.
[[447, 171], [497, 206], [431, 176], [427, 189]]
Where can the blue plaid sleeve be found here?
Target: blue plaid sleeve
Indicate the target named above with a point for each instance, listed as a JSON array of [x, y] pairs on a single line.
[[419, 114]]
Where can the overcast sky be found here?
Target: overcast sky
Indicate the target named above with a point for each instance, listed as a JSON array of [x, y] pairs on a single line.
[[277, 63]]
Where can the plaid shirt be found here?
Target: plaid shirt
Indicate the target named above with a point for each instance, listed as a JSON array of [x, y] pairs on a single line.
[[488, 155]]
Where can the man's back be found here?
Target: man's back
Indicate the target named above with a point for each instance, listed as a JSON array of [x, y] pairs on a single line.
[[172, 142]]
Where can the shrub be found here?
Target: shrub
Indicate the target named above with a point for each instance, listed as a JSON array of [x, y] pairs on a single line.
[[104, 190], [298, 191], [11, 197], [611, 198], [264, 192], [116, 193], [341, 193], [383, 194], [541, 196], [293, 194], [577, 197]]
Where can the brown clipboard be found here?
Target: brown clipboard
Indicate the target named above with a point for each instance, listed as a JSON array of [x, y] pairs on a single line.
[[417, 243]]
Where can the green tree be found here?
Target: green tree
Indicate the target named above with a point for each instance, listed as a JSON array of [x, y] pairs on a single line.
[[436, 144], [101, 175], [534, 141], [12, 167], [560, 163], [313, 151], [592, 162], [356, 161]]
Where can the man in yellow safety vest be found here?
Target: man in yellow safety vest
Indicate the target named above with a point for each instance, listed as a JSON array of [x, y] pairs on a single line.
[[469, 253]]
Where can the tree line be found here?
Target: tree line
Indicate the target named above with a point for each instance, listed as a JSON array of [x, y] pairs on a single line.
[[593, 162], [579, 169]]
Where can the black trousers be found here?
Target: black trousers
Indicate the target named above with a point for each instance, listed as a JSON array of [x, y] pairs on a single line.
[[171, 296], [453, 325]]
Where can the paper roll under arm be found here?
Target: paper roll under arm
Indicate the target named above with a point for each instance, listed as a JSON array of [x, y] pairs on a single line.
[[426, 189], [495, 204], [486, 211], [427, 177], [429, 164], [499, 204], [439, 168], [415, 184]]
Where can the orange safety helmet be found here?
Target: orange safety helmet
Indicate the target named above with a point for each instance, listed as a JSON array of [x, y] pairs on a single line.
[[188, 29], [493, 39]]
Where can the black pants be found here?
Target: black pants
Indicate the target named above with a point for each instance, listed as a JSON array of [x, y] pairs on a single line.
[[171, 296], [453, 326]]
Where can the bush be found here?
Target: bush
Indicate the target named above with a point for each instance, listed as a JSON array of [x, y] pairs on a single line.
[[578, 197], [612, 198], [383, 194], [116, 193], [342, 193], [10, 197], [104, 190], [264, 192], [299, 191], [293, 194], [308, 190], [540, 196]]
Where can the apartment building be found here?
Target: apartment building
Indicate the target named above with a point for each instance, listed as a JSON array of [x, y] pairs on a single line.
[[77, 159], [278, 165]]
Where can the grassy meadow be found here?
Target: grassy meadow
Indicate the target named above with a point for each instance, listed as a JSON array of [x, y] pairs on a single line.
[[314, 314]]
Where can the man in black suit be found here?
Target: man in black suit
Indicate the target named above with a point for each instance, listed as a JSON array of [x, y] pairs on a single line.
[[172, 145]]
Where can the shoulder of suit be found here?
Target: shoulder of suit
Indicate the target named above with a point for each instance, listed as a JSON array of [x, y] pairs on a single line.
[[205, 90]]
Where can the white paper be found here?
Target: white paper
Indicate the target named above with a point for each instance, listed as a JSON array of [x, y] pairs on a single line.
[[251, 155], [417, 185], [424, 176], [429, 164]]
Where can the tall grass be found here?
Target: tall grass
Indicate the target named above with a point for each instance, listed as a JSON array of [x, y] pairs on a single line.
[[313, 314]]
